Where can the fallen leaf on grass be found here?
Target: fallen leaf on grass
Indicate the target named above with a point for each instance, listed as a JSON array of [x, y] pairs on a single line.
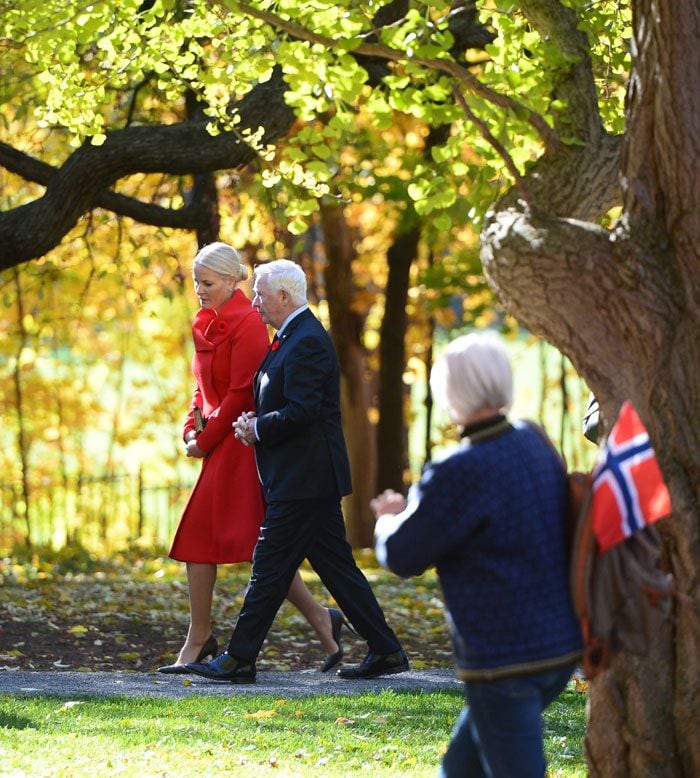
[[69, 704], [580, 684], [260, 714]]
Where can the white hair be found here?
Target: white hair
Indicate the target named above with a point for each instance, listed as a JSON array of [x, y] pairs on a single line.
[[472, 373], [283, 274], [222, 259]]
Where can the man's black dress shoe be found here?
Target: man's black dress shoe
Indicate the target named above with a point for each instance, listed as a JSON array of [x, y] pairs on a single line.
[[377, 664], [208, 649], [224, 668]]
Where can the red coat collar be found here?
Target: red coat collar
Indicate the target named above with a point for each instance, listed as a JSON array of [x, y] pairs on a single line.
[[210, 327]]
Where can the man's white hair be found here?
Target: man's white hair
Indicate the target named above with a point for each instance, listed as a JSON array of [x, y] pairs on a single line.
[[472, 373], [283, 274]]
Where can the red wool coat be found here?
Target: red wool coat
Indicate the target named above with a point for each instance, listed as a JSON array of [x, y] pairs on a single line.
[[222, 518]]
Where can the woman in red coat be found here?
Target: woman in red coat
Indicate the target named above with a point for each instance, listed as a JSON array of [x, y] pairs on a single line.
[[222, 518]]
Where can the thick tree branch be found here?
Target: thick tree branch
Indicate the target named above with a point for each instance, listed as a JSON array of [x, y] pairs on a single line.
[[580, 182], [575, 86], [664, 135], [39, 172], [31, 230]]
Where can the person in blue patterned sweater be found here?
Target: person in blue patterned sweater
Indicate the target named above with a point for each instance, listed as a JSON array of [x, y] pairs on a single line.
[[489, 515]]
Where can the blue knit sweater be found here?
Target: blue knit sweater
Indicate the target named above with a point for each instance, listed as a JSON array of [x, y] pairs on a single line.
[[490, 517]]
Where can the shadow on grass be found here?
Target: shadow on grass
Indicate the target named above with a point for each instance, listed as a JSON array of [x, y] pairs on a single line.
[[10, 721]]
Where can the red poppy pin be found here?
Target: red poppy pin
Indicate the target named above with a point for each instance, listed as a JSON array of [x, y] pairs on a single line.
[[275, 345], [221, 326]]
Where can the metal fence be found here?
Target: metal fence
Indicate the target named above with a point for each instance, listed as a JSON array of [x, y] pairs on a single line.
[[103, 513]]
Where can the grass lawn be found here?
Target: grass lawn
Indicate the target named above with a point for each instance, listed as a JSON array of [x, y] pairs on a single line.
[[132, 614], [389, 734]]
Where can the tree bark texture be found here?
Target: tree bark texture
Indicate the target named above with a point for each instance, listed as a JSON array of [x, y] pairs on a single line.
[[624, 305], [346, 330]]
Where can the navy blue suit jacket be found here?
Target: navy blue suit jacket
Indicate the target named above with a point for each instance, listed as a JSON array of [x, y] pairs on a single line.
[[301, 450]]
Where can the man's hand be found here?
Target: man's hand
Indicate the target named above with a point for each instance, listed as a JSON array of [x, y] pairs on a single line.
[[388, 501], [244, 428]]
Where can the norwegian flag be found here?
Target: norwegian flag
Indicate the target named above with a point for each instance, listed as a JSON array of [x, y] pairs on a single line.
[[628, 489]]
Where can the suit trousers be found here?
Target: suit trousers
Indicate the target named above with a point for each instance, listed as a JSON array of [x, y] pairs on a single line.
[[292, 531]]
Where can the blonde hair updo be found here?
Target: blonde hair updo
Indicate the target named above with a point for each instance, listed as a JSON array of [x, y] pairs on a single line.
[[222, 259]]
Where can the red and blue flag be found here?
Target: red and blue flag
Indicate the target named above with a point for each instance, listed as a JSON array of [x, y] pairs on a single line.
[[628, 489]]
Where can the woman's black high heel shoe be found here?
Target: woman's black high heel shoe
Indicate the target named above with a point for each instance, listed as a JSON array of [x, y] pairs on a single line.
[[337, 622], [209, 649]]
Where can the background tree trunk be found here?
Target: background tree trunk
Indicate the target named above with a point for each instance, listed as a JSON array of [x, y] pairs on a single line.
[[22, 437], [346, 330], [392, 430], [392, 460]]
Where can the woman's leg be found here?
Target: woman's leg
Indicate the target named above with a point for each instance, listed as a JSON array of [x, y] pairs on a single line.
[[201, 578], [317, 616]]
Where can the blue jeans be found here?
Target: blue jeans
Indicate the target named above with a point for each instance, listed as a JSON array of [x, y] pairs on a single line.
[[499, 734]]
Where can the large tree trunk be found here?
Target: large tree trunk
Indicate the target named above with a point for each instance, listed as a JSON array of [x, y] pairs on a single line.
[[624, 305], [346, 330]]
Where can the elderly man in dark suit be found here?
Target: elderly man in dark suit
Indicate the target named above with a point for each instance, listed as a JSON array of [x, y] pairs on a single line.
[[303, 465]]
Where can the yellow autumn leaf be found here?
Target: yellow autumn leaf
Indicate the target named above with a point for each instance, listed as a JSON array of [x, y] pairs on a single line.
[[345, 722], [78, 629], [580, 684], [418, 664], [260, 714]]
